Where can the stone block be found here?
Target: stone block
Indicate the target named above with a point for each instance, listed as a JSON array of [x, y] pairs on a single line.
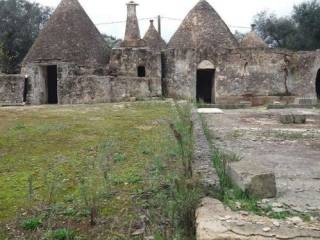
[[293, 119], [253, 179], [307, 101]]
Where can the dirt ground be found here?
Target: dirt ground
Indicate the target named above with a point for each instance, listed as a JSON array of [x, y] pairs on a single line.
[[292, 151]]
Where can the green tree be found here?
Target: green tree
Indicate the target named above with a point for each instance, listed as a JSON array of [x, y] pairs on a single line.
[[239, 35], [20, 23], [111, 41], [307, 19], [300, 31], [277, 32]]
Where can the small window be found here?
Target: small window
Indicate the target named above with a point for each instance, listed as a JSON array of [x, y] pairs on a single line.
[[141, 71]]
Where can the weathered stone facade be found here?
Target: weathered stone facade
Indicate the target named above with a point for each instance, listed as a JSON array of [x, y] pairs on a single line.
[[125, 62], [80, 85], [70, 63], [11, 89], [241, 74]]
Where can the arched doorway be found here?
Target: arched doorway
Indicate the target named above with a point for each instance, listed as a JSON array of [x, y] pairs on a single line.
[[318, 85], [206, 82]]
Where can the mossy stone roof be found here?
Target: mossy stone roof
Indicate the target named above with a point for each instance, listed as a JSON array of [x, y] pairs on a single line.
[[203, 28], [252, 40], [153, 38], [69, 36]]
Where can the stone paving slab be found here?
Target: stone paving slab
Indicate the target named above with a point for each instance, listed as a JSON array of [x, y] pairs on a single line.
[[291, 151], [210, 110], [217, 222]]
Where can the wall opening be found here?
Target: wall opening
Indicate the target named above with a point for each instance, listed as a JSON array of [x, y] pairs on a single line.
[[52, 84], [205, 85], [141, 71], [318, 85], [25, 89]]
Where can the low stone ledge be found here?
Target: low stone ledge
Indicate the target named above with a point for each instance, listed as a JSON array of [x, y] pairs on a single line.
[[214, 221], [202, 160], [307, 101], [293, 118], [253, 179], [293, 106]]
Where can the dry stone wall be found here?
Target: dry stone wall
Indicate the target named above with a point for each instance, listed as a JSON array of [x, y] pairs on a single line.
[[11, 89]]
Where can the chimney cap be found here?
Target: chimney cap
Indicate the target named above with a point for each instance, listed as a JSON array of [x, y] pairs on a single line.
[[132, 3]]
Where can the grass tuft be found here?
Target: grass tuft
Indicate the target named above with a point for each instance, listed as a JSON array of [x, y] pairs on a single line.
[[60, 234], [31, 224]]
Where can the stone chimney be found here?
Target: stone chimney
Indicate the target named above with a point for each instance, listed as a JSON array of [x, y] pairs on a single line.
[[253, 27], [132, 36]]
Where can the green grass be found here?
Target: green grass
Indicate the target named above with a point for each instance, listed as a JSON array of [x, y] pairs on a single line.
[[76, 165]]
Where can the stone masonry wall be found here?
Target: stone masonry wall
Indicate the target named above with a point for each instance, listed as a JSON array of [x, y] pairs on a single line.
[[180, 73], [11, 89], [37, 91], [78, 85], [241, 73], [101, 89], [125, 61], [303, 72]]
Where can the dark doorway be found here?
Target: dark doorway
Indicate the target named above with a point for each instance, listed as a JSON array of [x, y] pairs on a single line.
[[205, 85], [141, 71], [52, 84], [318, 85], [25, 89]]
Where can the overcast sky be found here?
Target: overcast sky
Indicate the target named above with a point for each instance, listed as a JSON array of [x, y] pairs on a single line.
[[233, 12]]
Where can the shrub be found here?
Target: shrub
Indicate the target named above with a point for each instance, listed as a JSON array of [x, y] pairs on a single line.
[[31, 224]]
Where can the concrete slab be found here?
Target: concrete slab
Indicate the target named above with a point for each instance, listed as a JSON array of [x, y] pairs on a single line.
[[210, 110]]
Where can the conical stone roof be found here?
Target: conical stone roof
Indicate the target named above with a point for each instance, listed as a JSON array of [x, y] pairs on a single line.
[[153, 38], [252, 40], [203, 28], [69, 36]]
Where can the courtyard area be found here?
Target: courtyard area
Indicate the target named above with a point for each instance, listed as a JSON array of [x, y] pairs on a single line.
[[291, 151]]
